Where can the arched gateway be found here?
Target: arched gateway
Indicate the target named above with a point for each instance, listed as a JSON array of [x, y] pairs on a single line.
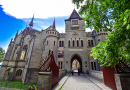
[[77, 60]]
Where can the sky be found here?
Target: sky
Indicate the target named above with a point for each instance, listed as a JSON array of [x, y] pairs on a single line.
[[16, 15]]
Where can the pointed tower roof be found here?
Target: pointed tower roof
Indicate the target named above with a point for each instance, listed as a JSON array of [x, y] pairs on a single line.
[[74, 15], [31, 23], [54, 26]]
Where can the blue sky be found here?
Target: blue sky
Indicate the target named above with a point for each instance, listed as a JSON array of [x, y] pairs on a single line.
[[16, 14]]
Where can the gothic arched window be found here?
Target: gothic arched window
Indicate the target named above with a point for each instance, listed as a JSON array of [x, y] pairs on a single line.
[[54, 43], [81, 43], [15, 51], [69, 43], [62, 43], [91, 42], [59, 43], [24, 51], [73, 43], [18, 72], [77, 43]]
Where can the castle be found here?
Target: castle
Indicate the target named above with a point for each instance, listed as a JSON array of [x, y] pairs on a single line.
[[30, 46]]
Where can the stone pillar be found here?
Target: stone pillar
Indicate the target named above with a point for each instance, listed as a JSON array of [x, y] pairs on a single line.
[[44, 81]]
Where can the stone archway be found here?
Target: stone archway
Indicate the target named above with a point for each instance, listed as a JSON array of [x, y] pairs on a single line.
[[77, 58]]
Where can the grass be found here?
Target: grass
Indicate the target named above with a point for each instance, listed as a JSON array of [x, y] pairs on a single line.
[[15, 85]]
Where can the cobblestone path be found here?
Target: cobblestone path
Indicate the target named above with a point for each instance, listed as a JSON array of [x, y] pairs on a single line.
[[81, 82]]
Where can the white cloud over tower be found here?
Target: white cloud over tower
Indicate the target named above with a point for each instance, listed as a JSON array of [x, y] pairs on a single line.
[[41, 8]]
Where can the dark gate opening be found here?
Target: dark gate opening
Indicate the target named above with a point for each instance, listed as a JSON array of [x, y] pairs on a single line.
[[76, 57]]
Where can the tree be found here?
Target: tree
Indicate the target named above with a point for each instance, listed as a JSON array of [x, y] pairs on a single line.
[[112, 16], [2, 53]]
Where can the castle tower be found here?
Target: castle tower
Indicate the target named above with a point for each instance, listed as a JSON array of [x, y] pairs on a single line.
[[51, 41], [75, 46]]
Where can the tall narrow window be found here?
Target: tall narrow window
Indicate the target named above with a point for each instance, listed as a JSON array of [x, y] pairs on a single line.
[[47, 42], [91, 42], [69, 43], [49, 52], [98, 40], [54, 43], [23, 53], [61, 65], [77, 43], [62, 43], [59, 43], [95, 65], [92, 65], [73, 43], [81, 43]]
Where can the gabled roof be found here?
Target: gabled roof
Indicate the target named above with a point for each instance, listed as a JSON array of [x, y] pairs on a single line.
[[74, 15]]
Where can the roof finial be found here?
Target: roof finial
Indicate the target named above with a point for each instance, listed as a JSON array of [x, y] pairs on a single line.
[[53, 26], [31, 23]]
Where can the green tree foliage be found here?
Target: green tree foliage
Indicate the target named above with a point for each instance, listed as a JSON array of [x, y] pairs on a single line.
[[114, 17], [2, 53]]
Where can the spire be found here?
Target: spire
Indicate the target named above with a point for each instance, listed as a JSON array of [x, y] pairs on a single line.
[[54, 26], [74, 15], [31, 23]]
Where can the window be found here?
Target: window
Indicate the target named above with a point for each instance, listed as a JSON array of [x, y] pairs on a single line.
[[74, 22], [62, 43], [89, 43], [77, 43], [68, 43], [15, 52], [47, 42], [60, 65], [92, 65], [81, 43], [95, 65], [59, 43], [98, 40], [18, 72], [54, 43], [49, 52], [23, 53], [73, 43]]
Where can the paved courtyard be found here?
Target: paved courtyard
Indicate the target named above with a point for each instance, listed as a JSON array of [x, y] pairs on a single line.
[[82, 82]]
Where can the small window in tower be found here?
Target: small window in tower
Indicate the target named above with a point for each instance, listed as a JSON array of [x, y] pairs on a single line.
[[74, 22], [89, 43], [92, 42], [47, 42], [54, 43]]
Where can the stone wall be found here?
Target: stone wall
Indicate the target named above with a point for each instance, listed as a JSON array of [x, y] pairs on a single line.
[[62, 72], [97, 74], [122, 81]]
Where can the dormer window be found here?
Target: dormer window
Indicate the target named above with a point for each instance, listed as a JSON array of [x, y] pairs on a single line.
[[74, 21]]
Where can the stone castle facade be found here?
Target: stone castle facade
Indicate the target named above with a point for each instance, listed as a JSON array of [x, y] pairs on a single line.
[[30, 46]]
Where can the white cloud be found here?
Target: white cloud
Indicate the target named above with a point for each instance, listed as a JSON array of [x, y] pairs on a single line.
[[41, 8]]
